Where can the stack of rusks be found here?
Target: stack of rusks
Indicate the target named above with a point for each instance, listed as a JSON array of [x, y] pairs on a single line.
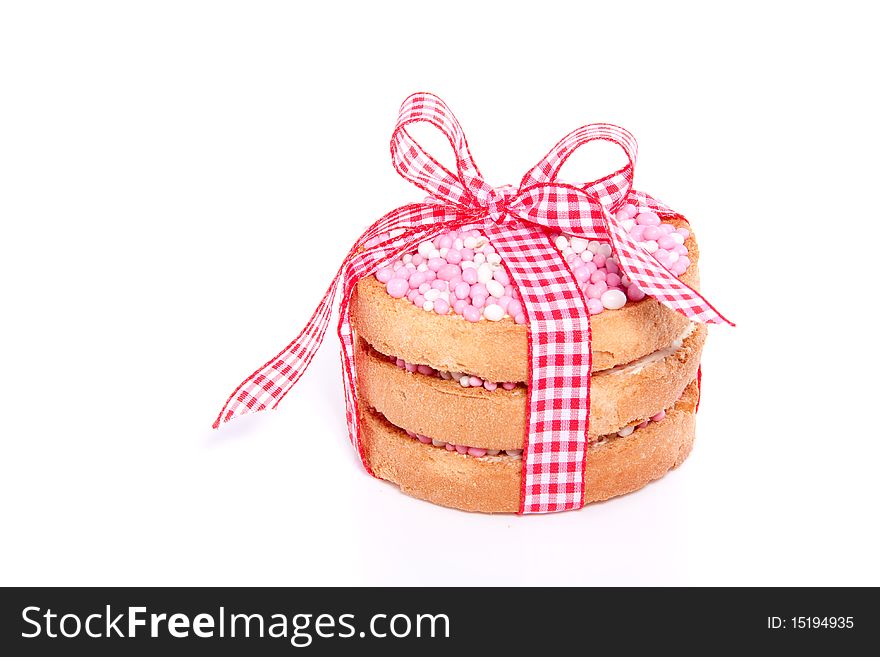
[[442, 369]]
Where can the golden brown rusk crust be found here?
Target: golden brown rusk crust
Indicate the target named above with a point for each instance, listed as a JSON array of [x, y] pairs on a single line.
[[498, 351], [443, 409], [615, 466]]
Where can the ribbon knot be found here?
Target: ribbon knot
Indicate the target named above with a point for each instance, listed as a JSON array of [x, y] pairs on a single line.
[[496, 203], [555, 444]]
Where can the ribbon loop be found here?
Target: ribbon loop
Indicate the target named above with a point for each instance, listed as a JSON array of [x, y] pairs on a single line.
[[416, 165], [613, 189]]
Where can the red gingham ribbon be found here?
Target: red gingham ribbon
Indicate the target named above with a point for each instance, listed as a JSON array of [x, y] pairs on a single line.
[[519, 223]]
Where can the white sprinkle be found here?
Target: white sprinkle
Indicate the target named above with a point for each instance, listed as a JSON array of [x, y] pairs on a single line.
[[562, 242], [465, 381], [479, 258], [650, 246], [438, 443], [516, 453], [493, 312], [672, 258], [435, 253], [470, 242], [579, 244], [627, 224], [458, 243], [494, 288], [432, 294], [425, 248], [482, 241], [675, 237], [493, 452], [593, 246], [407, 258], [493, 259], [467, 264], [443, 251], [422, 267], [484, 273], [587, 256], [613, 299], [605, 250], [623, 433], [428, 305]]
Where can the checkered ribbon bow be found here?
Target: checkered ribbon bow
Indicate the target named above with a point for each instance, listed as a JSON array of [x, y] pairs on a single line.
[[520, 223]]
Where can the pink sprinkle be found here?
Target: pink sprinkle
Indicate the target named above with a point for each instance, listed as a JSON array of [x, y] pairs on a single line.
[[459, 306], [475, 382], [417, 259], [613, 280], [434, 264], [644, 424], [508, 385], [467, 254], [648, 218], [650, 233], [423, 439], [453, 256], [437, 284], [514, 308], [450, 447], [424, 287], [410, 367], [633, 293], [630, 210], [502, 277], [488, 385], [596, 290], [476, 451], [424, 369], [658, 417], [397, 287], [441, 306], [582, 274], [599, 260], [471, 313], [417, 279], [479, 290], [477, 301], [462, 290], [520, 318], [594, 306], [469, 275], [597, 276], [448, 272], [385, 274], [461, 449], [667, 242], [445, 242]]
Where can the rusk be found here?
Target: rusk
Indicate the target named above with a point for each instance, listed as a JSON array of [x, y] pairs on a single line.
[[615, 466], [476, 417], [498, 351]]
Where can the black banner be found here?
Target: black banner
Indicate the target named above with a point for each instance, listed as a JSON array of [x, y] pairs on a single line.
[[114, 621]]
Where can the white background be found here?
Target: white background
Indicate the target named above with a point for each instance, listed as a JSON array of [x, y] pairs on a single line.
[[179, 181]]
